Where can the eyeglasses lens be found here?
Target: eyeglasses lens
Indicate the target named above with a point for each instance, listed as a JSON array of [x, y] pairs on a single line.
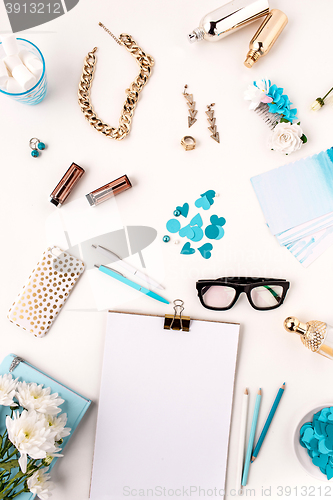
[[267, 296], [218, 296]]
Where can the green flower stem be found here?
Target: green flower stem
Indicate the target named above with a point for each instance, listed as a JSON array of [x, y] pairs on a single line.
[[8, 456], [18, 478], [17, 494], [327, 93], [13, 487], [31, 468], [4, 492]]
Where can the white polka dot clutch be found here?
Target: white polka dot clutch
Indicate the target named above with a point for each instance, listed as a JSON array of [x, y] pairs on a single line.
[[46, 291]]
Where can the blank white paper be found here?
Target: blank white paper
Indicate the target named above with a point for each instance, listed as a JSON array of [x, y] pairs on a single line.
[[164, 409]]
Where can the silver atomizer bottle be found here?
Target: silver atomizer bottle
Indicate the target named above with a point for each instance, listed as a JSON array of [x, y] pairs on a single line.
[[229, 18]]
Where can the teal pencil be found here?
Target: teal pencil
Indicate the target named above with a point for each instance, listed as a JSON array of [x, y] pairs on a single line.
[[268, 422], [251, 439]]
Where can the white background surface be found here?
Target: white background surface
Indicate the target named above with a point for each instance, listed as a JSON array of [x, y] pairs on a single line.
[[165, 176]]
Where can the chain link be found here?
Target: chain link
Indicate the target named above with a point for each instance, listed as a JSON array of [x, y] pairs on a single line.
[[145, 62]]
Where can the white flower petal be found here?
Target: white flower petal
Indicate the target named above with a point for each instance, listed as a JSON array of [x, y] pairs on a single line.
[[39, 484], [57, 425], [35, 397], [7, 390], [256, 92], [31, 435], [23, 462]]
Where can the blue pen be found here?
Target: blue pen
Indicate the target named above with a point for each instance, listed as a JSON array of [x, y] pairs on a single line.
[[142, 289]]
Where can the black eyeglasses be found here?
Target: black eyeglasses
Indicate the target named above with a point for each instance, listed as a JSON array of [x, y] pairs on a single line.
[[262, 293]]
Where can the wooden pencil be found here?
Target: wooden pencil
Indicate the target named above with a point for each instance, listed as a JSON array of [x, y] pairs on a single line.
[[242, 436]]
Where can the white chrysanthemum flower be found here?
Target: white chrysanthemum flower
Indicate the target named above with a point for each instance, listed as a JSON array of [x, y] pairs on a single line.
[[34, 397], [31, 436], [286, 138], [57, 424], [39, 484], [257, 93], [7, 390]]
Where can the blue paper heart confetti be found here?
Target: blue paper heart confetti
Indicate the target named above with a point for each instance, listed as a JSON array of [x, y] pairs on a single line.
[[198, 233], [196, 221], [221, 233], [203, 203], [317, 438], [217, 221], [195, 231], [205, 250], [210, 195], [187, 249], [184, 210], [186, 231]]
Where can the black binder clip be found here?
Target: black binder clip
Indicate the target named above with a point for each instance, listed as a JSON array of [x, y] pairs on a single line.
[[177, 321]]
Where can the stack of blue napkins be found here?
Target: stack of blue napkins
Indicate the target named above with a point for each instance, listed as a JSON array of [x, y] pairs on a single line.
[[297, 202]]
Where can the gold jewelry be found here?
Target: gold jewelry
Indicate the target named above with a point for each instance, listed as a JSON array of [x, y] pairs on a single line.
[[188, 142], [145, 61], [211, 120], [191, 105]]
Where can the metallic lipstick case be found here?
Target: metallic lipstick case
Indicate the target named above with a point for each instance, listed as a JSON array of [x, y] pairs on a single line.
[[229, 18], [66, 184], [108, 191]]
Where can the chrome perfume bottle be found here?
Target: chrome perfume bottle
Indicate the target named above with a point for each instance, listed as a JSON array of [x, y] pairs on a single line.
[[228, 18], [315, 335], [266, 35]]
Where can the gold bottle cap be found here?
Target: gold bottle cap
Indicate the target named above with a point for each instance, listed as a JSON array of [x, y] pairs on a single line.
[[251, 58], [312, 333], [294, 325]]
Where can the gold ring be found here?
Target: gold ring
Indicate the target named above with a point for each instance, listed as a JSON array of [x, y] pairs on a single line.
[[188, 142]]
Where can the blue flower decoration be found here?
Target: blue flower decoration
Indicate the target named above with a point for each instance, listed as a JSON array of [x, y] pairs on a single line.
[[275, 93], [281, 103], [290, 115]]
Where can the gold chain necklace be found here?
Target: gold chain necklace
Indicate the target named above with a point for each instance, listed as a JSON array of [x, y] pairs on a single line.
[[145, 61]]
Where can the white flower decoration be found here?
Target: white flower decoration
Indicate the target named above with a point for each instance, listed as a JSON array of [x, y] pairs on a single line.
[[7, 390], [57, 424], [257, 93], [286, 138], [39, 484], [31, 436], [34, 397]]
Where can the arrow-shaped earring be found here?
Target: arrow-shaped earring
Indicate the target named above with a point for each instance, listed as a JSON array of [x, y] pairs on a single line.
[[211, 120], [191, 105]]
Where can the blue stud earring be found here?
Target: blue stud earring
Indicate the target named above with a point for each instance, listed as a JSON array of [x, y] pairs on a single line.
[[36, 145], [166, 238]]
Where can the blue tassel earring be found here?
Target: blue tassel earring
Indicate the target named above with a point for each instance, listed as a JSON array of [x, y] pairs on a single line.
[[36, 146]]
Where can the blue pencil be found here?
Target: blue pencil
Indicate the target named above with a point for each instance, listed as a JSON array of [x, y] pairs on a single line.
[[268, 422], [251, 438]]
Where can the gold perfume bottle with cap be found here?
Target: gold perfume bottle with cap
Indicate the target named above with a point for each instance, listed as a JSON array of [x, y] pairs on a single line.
[[315, 335], [266, 35]]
